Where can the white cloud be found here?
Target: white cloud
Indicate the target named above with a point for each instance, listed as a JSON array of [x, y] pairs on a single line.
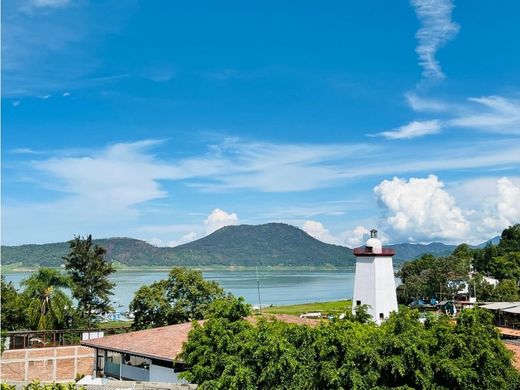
[[318, 231], [185, 238], [436, 30], [16, 103], [50, 3], [493, 113], [421, 104], [413, 130], [499, 210], [420, 210], [65, 94], [218, 219], [44, 97], [357, 236]]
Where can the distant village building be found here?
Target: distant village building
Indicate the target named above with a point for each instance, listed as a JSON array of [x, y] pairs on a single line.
[[374, 283]]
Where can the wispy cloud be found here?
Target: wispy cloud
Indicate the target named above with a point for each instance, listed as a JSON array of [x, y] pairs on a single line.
[[50, 3], [492, 113], [413, 129], [422, 104], [436, 30]]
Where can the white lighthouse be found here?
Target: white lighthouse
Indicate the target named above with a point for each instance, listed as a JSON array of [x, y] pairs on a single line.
[[374, 283]]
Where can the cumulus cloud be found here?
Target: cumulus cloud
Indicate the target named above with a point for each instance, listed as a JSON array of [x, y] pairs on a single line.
[[500, 210], [357, 236], [319, 232], [413, 130], [436, 30], [420, 210], [218, 219]]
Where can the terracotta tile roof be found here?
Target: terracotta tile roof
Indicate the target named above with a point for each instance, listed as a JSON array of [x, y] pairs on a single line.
[[166, 342], [515, 348], [163, 343]]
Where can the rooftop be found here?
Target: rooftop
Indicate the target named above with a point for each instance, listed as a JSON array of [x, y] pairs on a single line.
[[165, 343]]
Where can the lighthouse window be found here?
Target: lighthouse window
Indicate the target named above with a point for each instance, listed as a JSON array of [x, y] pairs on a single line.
[[381, 316], [358, 303], [369, 249]]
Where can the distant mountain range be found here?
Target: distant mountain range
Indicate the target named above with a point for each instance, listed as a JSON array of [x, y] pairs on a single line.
[[271, 244]]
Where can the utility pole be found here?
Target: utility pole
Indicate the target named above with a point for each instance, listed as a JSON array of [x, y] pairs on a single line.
[[258, 287]]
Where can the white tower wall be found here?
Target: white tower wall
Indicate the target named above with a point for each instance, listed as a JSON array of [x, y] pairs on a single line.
[[374, 283]]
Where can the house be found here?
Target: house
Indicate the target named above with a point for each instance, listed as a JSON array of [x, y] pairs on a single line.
[[152, 354], [145, 355]]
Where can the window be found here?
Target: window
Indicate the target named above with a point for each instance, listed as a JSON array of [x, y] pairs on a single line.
[[368, 249], [136, 361], [358, 303], [113, 357], [381, 316]]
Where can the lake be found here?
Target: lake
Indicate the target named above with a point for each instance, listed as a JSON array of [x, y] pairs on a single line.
[[277, 287]]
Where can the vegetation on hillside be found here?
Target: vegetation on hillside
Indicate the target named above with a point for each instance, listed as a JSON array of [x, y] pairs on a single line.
[[228, 352], [442, 277], [272, 244]]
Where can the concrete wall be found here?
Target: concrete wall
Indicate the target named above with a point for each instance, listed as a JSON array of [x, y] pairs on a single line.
[[374, 285], [58, 364]]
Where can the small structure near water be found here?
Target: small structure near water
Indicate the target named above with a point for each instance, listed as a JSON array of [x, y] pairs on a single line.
[[374, 283]]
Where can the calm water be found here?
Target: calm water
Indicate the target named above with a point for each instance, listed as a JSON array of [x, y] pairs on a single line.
[[276, 287]]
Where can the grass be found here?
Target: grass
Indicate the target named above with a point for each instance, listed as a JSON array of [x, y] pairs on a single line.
[[114, 324], [333, 307]]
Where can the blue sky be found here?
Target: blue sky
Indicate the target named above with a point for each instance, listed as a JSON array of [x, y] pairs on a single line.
[[165, 120]]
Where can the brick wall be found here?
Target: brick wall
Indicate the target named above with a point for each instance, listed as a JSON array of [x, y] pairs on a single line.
[[60, 364]]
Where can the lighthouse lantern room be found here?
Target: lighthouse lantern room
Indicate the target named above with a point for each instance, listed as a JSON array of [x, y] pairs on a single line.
[[374, 283]]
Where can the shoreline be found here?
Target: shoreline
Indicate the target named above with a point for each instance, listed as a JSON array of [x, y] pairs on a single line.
[[6, 269]]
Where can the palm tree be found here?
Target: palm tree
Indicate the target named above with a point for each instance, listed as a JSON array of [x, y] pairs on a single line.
[[48, 306]]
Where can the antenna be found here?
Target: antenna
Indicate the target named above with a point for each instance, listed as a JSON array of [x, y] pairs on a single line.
[[258, 287]]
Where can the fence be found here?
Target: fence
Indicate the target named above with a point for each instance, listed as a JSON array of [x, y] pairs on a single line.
[[24, 339]]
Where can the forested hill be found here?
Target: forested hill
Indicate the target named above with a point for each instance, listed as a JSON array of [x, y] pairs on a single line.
[[268, 244]]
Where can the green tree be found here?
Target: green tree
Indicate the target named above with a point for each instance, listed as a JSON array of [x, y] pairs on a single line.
[[150, 306], [183, 297], [13, 307], [509, 240], [431, 276], [402, 353], [48, 306], [89, 272]]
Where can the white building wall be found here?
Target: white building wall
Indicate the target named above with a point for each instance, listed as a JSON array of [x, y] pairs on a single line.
[[164, 374], [374, 285]]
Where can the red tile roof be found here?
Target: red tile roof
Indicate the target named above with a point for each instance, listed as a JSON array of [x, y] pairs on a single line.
[[165, 343]]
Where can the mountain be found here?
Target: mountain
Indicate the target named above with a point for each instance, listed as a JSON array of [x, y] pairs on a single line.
[[404, 252], [267, 245], [495, 240]]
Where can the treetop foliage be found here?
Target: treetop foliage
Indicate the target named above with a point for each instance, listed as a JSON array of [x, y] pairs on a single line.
[[183, 297], [89, 271], [231, 353]]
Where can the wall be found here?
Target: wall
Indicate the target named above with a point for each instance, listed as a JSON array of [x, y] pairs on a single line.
[[60, 364], [163, 374]]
